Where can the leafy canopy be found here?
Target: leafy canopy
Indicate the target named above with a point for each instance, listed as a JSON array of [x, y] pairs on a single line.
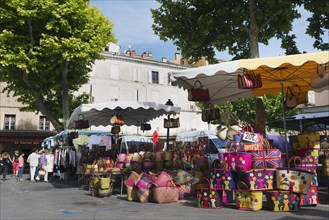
[[47, 48]]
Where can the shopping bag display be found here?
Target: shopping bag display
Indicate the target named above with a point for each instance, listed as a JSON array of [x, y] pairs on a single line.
[[222, 179]]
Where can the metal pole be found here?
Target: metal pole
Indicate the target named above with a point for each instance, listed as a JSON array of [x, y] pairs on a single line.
[[167, 147], [284, 121]]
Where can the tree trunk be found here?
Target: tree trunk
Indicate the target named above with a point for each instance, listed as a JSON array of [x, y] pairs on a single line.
[[65, 95], [253, 30]]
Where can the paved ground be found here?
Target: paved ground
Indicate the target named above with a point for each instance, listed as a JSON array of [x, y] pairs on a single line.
[[65, 200]]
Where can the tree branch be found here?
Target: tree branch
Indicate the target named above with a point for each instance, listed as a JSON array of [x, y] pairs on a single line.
[[32, 41], [262, 26]]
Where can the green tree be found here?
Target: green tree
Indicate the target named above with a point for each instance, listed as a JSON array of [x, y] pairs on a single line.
[[47, 48], [244, 109], [198, 28], [318, 25]]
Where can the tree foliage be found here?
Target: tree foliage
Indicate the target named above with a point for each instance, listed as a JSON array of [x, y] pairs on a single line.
[[244, 109], [318, 26], [47, 48], [198, 28]]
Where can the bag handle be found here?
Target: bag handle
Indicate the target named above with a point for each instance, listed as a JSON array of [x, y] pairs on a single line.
[[195, 85], [229, 148], [289, 92], [239, 183], [83, 117], [207, 180], [266, 145]]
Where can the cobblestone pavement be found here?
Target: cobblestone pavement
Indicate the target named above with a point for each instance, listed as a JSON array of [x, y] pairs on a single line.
[[65, 200]]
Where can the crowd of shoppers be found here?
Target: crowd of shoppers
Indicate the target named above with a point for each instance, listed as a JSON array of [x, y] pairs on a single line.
[[41, 163]]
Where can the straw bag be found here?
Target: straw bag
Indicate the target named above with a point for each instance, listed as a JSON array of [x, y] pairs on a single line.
[[198, 93], [162, 180], [168, 193], [311, 198], [282, 201], [222, 179], [208, 197], [236, 160], [260, 179], [246, 199], [171, 123], [266, 158], [291, 99], [293, 179], [249, 80]]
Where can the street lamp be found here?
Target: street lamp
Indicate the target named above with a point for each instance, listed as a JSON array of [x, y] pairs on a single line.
[[170, 103]]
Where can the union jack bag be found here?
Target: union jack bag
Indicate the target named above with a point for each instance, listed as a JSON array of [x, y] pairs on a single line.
[[266, 158]]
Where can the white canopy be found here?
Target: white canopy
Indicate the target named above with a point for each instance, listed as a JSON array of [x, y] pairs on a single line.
[[276, 72], [134, 113]]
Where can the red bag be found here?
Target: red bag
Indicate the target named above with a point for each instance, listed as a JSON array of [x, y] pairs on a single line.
[[249, 80], [198, 93]]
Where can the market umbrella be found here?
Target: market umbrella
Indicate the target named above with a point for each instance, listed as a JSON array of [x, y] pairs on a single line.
[[134, 113], [277, 74]]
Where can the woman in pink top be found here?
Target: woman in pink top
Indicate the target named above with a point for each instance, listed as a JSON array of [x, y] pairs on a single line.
[[20, 166]]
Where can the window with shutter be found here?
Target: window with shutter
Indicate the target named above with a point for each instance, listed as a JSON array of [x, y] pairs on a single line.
[[10, 121]]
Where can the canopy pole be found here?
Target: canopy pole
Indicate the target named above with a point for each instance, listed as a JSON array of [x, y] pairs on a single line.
[[284, 121]]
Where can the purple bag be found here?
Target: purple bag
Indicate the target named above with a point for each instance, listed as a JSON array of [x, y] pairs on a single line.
[[258, 179], [222, 179], [266, 158]]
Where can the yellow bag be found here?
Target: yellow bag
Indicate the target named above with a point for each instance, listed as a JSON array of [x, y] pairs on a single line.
[[309, 141]]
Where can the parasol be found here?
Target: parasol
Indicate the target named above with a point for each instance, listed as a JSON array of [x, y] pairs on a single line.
[[134, 113], [277, 74]]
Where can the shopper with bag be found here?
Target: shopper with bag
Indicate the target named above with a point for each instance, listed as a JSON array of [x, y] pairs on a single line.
[[41, 169]]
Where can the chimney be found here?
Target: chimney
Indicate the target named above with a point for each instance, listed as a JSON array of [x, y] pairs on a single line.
[[164, 59], [177, 56], [144, 56], [149, 55], [133, 53]]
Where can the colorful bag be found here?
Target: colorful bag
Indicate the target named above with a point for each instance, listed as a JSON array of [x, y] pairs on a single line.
[[81, 123], [198, 93], [143, 194], [261, 179], [250, 141], [293, 179], [236, 160], [282, 201], [266, 158], [249, 80], [208, 197], [162, 180], [248, 200], [145, 181], [186, 191], [309, 141], [165, 194], [182, 177], [222, 179], [311, 198]]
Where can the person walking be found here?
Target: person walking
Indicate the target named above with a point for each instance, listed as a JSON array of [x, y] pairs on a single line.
[[20, 166], [15, 163], [50, 164], [42, 165], [6, 161], [33, 160]]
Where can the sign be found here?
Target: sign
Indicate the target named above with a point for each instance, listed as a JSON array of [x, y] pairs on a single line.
[[250, 136]]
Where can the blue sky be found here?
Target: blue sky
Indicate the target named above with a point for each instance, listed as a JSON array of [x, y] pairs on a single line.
[[132, 26]]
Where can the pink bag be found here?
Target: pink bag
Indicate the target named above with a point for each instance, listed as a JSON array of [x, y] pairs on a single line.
[[249, 80], [237, 160], [145, 181], [163, 179]]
